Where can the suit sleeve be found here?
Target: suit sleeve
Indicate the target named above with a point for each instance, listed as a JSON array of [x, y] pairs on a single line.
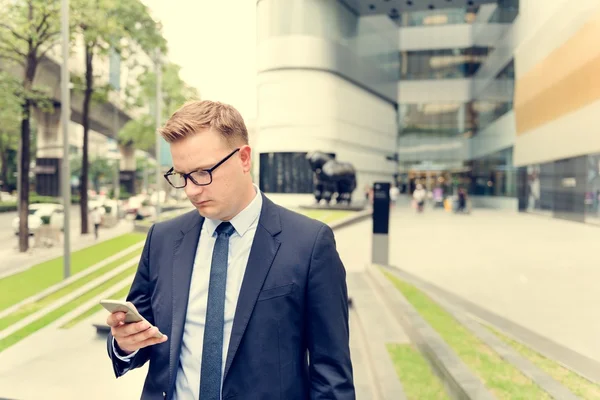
[[328, 334], [140, 296]]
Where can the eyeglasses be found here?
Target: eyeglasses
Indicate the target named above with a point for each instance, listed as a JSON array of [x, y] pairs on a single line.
[[201, 177]]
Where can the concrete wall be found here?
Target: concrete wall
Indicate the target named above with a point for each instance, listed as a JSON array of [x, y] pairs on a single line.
[[557, 102]]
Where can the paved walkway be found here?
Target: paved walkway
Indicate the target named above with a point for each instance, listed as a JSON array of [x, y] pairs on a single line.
[[12, 261], [72, 364], [540, 273], [64, 364], [535, 271]]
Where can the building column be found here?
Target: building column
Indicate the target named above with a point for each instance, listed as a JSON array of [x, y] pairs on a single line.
[[127, 168], [49, 152], [322, 87]]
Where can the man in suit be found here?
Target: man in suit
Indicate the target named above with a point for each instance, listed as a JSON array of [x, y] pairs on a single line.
[[251, 297]]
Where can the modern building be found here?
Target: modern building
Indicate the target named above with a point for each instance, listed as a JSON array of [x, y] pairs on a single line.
[[498, 96]]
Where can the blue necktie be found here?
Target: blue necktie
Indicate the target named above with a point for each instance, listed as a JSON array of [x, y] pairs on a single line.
[[212, 349]]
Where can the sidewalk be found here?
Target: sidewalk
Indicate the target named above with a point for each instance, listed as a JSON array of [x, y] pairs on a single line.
[[538, 273], [12, 261], [72, 364]]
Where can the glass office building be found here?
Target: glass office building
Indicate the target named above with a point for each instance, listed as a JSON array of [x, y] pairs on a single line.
[[497, 96]]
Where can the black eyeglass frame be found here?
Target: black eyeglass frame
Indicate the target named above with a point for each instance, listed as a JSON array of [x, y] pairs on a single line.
[[189, 175]]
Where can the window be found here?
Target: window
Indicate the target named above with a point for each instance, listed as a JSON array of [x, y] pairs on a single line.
[[437, 119], [506, 12], [497, 99], [285, 173], [441, 64], [439, 17]]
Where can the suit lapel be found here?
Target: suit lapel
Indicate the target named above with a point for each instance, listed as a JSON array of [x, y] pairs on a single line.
[[262, 254], [183, 264]]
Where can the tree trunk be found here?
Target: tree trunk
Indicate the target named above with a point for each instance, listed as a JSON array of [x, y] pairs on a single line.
[[87, 99], [24, 178], [4, 169], [4, 161], [30, 70]]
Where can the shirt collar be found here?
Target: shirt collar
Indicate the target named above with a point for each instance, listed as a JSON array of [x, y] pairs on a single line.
[[241, 222]]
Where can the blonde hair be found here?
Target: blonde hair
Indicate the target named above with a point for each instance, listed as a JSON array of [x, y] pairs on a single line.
[[195, 116]]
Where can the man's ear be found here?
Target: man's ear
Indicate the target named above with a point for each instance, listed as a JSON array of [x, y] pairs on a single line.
[[246, 157]]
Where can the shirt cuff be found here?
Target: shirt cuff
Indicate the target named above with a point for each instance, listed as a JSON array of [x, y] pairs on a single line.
[[121, 357]]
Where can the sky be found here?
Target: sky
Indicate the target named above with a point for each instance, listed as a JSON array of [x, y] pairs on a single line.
[[214, 42]]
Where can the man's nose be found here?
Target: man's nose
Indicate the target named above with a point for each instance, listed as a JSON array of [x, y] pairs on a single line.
[[192, 190]]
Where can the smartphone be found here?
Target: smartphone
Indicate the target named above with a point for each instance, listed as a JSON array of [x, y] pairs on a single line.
[[131, 313]]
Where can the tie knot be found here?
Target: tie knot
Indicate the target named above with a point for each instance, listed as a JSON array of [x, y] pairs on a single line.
[[225, 229]]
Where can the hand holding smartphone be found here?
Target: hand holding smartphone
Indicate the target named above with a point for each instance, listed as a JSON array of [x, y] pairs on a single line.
[[131, 331]]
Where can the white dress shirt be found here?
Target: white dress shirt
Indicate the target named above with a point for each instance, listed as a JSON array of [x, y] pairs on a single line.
[[187, 384]]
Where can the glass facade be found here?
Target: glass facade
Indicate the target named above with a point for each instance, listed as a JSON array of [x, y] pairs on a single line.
[[435, 119], [442, 63], [285, 173], [439, 17], [506, 12], [566, 189], [363, 49], [497, 99], [493, 175]]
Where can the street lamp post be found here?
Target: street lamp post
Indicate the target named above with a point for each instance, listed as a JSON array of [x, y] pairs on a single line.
[[65, 118], [158, 111]]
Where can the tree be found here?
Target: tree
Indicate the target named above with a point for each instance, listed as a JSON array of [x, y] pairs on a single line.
[[28, 30], [106, 24], [141, 131], [100, 169], [11, 103]]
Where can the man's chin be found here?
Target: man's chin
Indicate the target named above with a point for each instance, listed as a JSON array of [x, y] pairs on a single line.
[[206, 210]]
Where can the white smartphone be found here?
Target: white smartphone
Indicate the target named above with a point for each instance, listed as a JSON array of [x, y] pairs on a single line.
[[131, 313]]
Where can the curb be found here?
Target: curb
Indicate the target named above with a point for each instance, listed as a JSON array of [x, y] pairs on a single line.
[[540, 378], [459, 380], [380, 364], [360, 216], [70, 279], [55, 255], [584, 367], [66, 299], [89, 304]]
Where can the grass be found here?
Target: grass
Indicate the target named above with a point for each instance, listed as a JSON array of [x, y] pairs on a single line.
[[119, 295], [577, 384], [418, 380], [326, 216], [59, 312], [499, 376], [17, 287], [31, 308]]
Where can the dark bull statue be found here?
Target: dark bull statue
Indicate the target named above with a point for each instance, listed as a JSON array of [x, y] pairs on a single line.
[[333, 179]]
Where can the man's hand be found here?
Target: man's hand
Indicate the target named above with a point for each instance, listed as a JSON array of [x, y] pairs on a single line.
[[134, 336]]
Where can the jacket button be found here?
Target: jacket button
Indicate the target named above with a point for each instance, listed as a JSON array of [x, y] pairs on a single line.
[[164, 394]]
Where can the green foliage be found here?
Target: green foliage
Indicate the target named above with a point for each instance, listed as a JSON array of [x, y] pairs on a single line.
[[28, 27], [8, 206], [11, 104], [99, 168], [175, 92], [140, 132]]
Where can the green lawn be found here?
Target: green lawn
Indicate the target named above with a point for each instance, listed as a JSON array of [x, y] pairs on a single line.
[[500, 377], [22, 285], [59, 312], [418, 380], [574, 382], [119, 295], [30, 308], [326, 216]]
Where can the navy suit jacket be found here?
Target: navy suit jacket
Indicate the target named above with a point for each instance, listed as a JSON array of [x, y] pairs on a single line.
[[290, 337]]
